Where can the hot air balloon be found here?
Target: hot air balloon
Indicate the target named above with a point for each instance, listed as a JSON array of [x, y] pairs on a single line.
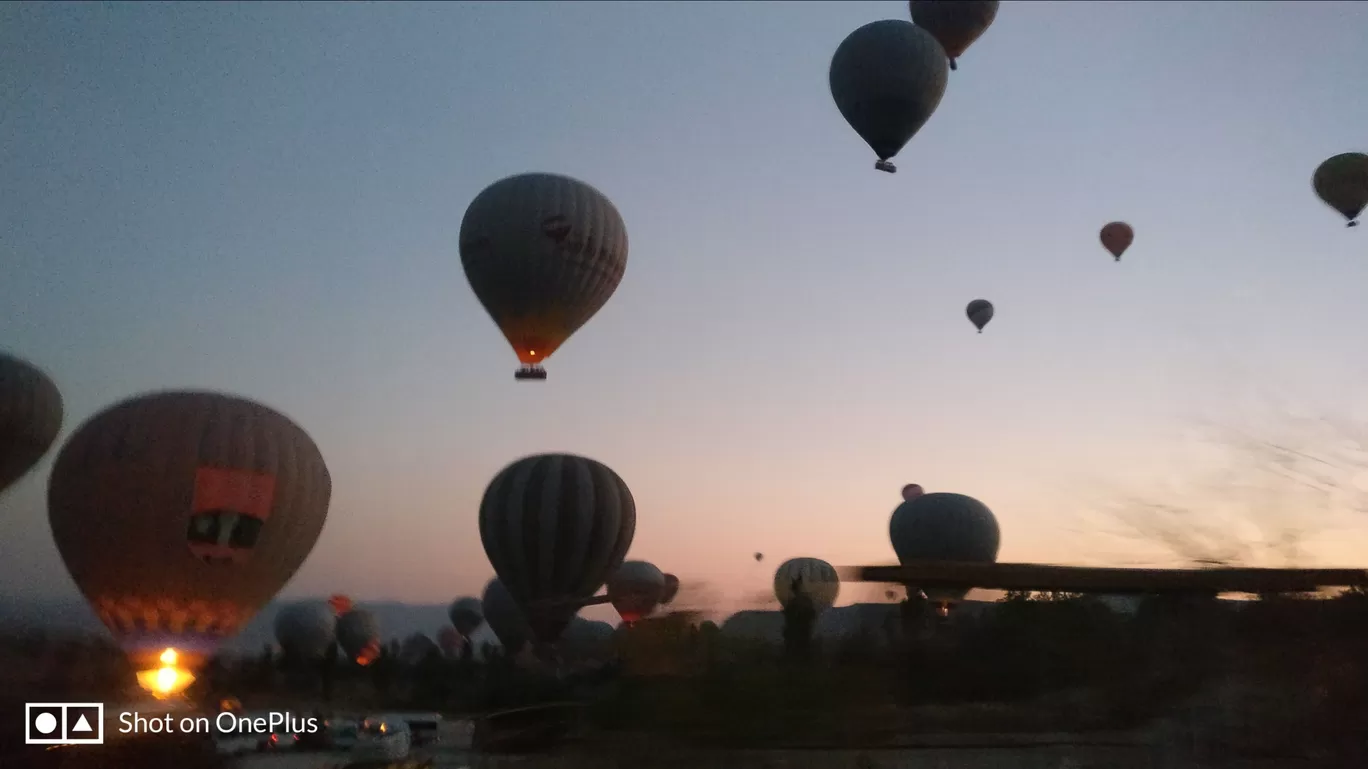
[[1116, 238], [358, 632], [505, 617], [811, 577], [955, 24], [759, 557], [980, 311], [466, 615], [179, 514], [944, 527], [1342, 182], [554, 527], [543, 254], [671, 589], [450, 640], [30, 417], [911, 491], [340, 604], [635, 590], [887, 78], [305, 631]]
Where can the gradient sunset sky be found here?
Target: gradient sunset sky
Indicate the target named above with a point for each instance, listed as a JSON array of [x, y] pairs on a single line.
[[265, 198]]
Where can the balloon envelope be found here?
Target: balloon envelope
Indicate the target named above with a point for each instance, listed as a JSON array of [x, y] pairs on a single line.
[[466, 615], [911, 491], [30, 417], [980, 311], [358, 631], [635, 589], [179, 514], [671, 589], [1116, 238], [811, 577], [306, 630], [888, 78], [554, 527], [543, 253], [955, 24], [1342, 183], [505, 617], [944, 527]]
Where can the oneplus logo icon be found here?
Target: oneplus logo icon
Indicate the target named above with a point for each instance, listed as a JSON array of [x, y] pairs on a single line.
[[64, 723]]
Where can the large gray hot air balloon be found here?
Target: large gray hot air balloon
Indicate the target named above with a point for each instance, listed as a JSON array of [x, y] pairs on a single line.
[[179, 514], [358, 632], [466, 615], [30, 417], [306, 630], [887, 78], [944, 527], [811, 577], [543, 254], [505, 617], [554, 527], [980, 311], [636, 589], [955, 24]]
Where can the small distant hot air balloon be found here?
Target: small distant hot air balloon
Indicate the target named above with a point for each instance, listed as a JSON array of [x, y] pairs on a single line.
[[888, 78], [759, 557], [671, 589], [358, 632], [543, 253], [466, 614], [179, 514], [305, 631], [340, 604], [30, 417], [1342, 182], [555, 526], [1116, 238], [811, 577], [955, 24], [980, 311], [635, 589], [911, 491], [944, 527]]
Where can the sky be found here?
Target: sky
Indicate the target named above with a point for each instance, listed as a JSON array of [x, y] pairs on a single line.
[[265, 198]]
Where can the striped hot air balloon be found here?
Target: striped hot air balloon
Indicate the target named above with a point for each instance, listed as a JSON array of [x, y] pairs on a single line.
[[179, 514], [811, 577], [30, 417], [888, 78], [944, 527], [554, 527], [543, 253]]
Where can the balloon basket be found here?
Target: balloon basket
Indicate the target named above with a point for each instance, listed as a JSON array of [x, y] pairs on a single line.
[[534, 373], [885, 166]]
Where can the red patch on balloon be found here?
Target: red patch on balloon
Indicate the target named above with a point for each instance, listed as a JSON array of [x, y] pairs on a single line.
[[227, 513]]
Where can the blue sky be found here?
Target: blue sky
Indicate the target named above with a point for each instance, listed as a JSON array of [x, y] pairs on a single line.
[[265, 198]]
